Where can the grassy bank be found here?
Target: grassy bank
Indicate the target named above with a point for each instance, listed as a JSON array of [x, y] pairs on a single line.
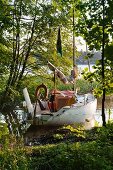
[[81, 150]]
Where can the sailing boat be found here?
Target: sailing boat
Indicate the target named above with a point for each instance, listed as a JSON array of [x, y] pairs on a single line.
[[62, 107]]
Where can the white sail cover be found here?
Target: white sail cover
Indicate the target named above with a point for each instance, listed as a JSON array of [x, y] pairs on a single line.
[[28, 101]]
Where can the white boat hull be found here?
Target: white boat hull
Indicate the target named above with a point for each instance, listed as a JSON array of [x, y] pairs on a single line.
[[79, 114]]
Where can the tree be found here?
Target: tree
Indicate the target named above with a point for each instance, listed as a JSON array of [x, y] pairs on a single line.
[[28, 30], [97, 30], [31, 26]]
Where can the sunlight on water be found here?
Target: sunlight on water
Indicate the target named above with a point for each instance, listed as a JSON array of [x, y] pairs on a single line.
[[108, 116], [82, 67]]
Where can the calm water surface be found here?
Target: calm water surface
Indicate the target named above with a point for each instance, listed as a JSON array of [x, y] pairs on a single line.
[[108, 111], [108, 103]]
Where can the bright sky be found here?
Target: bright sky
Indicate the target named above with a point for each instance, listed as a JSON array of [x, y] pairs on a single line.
[[80, 43]]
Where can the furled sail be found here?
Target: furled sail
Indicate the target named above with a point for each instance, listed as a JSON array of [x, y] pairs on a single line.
[[58, 73], [61, 76]]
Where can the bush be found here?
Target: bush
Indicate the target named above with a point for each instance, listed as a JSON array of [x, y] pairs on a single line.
[[12, 154], [94, 153], [84, 86]]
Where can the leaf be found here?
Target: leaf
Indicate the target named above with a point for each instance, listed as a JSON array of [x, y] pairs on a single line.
[[111, 85]]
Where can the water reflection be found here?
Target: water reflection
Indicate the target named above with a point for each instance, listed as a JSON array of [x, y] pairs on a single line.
[[108, 111], [2, 118]]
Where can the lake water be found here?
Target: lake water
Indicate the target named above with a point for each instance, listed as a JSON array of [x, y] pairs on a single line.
[[108, 103], [81, 66], [108, 115], [108, 111]]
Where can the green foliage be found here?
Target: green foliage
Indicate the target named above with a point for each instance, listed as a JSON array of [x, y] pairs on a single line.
[[61, 86], [3, 129], [85, 86], [12, 154], [78, 132], [109, 52], [96, 77], [90, 26], [95, 152], [58, 136], [28, 41]]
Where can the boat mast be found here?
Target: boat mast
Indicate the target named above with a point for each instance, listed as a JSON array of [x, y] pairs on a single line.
[[54, 79], [74, 58]]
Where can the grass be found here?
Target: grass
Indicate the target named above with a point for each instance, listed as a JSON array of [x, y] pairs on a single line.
[[75, 149]]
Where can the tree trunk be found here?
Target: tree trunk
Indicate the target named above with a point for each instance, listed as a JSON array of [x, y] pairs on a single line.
[[103, 76]]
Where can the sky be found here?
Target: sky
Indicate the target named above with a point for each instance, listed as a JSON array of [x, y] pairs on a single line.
[[80, 43]]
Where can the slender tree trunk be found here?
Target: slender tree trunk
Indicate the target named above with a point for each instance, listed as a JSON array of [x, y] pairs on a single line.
[[88, 60], [29, 49], [103, 76]]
